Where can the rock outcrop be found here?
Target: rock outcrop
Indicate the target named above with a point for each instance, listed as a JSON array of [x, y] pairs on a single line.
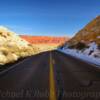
[[90, 33]]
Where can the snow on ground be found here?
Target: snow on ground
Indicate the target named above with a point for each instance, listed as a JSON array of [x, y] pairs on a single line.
[[91, 54], [98, 37]]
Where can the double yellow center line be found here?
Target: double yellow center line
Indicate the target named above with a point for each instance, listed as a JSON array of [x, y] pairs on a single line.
[[52, 95]]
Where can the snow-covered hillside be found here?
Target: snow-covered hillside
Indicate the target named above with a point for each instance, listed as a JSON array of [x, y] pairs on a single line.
[[90, 54], [86, 43]]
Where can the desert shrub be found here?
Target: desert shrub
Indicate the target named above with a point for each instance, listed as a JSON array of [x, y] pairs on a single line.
[[71, 46], [99, 46], [79, 46], [60, 46]]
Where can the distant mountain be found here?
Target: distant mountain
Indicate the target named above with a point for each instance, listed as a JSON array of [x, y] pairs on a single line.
[[90, 33], [45, 39]]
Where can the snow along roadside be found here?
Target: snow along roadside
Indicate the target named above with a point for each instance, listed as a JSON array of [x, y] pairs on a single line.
[[86, 58]]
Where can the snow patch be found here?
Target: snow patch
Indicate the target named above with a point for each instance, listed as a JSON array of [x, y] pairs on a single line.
[[98, 37], [91, 54]]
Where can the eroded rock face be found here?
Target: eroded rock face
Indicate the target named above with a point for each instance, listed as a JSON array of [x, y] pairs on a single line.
[[12, 47], [91, 32]]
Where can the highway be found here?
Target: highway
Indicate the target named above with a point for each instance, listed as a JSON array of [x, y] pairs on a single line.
[[50, 76]]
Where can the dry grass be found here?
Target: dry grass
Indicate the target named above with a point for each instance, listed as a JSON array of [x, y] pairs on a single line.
[[45, 47]]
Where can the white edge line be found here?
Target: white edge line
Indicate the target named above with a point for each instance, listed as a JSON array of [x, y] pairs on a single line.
[[13, 66]]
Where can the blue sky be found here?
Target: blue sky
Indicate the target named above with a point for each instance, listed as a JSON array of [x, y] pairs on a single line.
[[48, 17]]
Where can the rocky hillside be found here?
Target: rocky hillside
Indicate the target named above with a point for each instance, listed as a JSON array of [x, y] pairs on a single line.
[[12, 47], [90, 33], [86, 43]]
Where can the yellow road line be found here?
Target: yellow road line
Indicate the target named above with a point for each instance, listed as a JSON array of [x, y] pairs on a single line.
[[52, 81]]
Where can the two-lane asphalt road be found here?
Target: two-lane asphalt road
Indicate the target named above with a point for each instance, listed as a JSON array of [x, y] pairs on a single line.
[[51, 76]]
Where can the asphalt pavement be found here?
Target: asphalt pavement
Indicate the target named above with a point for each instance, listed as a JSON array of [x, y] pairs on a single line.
[[50, 75]]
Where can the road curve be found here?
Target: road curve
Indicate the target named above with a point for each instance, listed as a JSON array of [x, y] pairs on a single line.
[[51, 76]]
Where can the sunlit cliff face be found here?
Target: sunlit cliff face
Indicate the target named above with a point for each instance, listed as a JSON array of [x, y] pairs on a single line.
[[90, 33]]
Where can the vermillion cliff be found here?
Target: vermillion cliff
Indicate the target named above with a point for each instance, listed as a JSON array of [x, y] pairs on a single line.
[[45, 43], [45, 39]]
